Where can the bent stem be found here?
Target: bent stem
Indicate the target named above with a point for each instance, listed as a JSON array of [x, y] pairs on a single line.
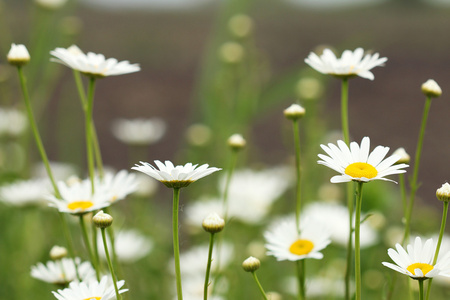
[[111, 269], [259, 286], [208, 266], [357, 241], [176, 245], [438, 246]]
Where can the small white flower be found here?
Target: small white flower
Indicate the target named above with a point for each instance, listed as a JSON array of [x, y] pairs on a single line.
[[63, 271], [175, 177], [90, 290], [25, 192], [285, 242], [350, 64], [417, 261], [77, 198], [139, 131], [431, 88], [355, 163], [18, 55], [130, 245], [92, 64]]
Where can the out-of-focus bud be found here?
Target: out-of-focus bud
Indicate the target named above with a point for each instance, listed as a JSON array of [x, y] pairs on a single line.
[[404, 157], [236, 141], [294, 112], [431, 88], [231, 52], [57, 253]]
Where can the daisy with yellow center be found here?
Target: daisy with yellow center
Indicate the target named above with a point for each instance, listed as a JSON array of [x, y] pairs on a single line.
[[355, 163], [92, 290], [284, 241], [417, 260]]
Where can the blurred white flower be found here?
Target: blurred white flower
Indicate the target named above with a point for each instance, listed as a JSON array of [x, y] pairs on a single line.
[[61, 170], [351, 63], [193, 287], [13, 122], [146, 186], [26, 192], [92, 64], [130, 245], [139, 131], [51, 4], [118, 185], [63, 271], [146, 4], [337, 215]]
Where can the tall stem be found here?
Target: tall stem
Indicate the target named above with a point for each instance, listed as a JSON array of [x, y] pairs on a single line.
[[357, 241], [344, 110], [111, 269], [259, 286], [88, 246], [88, 130], [176, 246], [298, 172], [208, 266], [234, 155], [301, 279], [420, 289], [438, 246], [413, 182]]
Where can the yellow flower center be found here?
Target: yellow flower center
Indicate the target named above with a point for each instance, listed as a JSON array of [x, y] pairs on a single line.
[[301, 247], [93, 298], [425, 268], [360, 169], [83, 205]]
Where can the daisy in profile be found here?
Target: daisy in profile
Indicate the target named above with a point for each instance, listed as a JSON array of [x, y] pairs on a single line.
[[139, 131], [351, 63], [92, 64], [64, 271], [25, 192], [118, 185], [284, 241], [175, 176], [417, 260], [355, 163], [90, 290]]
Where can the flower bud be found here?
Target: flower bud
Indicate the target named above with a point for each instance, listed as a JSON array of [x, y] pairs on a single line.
[[18, 55], [404, 157], [213, 223], [251, 264], [57, 253], [443, 193], [294, 112], [102, 220], [236, 141], [431, 88]]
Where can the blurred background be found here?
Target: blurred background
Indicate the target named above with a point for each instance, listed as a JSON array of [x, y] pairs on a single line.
[[197, 66]]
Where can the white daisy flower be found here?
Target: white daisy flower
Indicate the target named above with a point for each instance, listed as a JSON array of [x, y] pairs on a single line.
[[63, 271], [139, 131], [175, 177], [355, 163], [285, 243], [92, 64], [25, 192], [13, 122], [417, 260], [117, 185], [350, 64], [130, 245], [93, 289], [77, 198]]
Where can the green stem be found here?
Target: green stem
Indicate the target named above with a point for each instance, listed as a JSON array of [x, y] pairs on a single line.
[[259, 286], [208, 266], [88, 129], [97, 152], [438, 246], [234, 155], [401, 182], [413, 182], [344, 110], [80, 88], [88, 247], [420, 289], [36, 134], [298, 172], [111, 269], [301, 279], [176, 246], [357, 241]]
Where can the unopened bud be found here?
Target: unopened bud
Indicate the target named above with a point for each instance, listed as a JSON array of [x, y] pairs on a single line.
[[57, 253], [443, 193], [404, 157], [213, 223], [431, 88], [294, 112], [236, 141], [102, 220], [18, 55], [251, 264]]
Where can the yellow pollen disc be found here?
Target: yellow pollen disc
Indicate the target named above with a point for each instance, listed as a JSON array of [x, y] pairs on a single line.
[[301, 247], [80, 205], [93, 298], [424, 267], [360, 169]]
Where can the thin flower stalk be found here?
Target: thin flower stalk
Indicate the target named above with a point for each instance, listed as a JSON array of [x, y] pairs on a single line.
[[421, 289], [88, 125], [298, 193], [232, 166], [176, 246], [438, 246], [208, 266], [259, 286], [301, 279], [357, 242], [413, 182], [111, 269], [88, 246]]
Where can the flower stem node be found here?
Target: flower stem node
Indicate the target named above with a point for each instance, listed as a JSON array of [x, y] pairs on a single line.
[[404, 156], [294, 112], [102, 220], [443, 193], [213, 223], [236, 142], [18, 55], [431, 89], [58, 252], [251, 264]]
